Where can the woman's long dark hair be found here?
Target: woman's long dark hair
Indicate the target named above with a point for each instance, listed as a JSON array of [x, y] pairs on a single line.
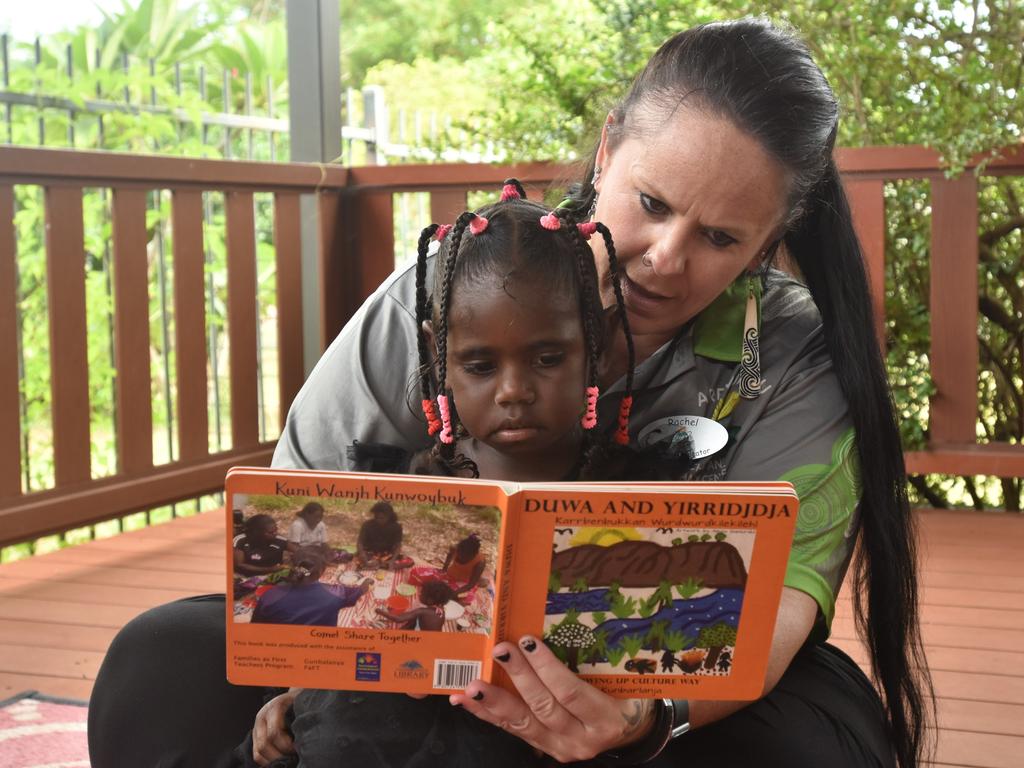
[[763, 79]]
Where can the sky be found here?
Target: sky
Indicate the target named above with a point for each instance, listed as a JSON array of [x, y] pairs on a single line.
[[24, 20]]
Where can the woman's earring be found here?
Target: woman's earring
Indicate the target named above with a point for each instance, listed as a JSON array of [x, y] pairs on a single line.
[[593, 183], [750, 381]]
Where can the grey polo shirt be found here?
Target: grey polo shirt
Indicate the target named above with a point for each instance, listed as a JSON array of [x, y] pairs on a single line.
[[364, 388]]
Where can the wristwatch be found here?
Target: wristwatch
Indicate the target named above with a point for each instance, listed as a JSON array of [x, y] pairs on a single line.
[[671, 720]]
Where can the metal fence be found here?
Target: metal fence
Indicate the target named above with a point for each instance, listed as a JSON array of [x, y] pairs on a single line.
[[228, 123], [49, 98]]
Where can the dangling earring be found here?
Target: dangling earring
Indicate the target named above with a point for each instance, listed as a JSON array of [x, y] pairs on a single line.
[[750, 381], [593, 183]]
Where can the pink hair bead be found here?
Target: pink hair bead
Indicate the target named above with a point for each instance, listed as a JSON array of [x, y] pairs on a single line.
[[550, 221], [442, 231], [509, 192], [446, 420], [477, 224], [587, 228], [589, 420]]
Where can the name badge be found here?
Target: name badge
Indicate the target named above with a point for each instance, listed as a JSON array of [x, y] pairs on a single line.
[[684, 436]]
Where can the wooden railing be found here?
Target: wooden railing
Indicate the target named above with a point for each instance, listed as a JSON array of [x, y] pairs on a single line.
[[76, 497], [953, 270], [355, 212]]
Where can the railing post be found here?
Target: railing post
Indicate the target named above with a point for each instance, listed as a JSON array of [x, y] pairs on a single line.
[[314, 84], [867, 204], [375, 119], [954, 310], [10, 399]]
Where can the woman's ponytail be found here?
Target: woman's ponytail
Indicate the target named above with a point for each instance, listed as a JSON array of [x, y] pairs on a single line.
[[825, 247]]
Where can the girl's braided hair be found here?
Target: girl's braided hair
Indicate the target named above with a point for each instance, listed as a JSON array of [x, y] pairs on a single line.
[[503, 240]]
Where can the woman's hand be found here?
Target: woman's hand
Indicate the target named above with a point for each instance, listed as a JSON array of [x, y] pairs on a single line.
[[555, 711], [270, 737]]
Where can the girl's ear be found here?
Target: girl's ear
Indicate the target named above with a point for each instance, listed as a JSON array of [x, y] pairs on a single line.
[[427, 329]]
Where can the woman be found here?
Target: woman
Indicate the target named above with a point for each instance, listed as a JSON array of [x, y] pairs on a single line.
[[718, 158]]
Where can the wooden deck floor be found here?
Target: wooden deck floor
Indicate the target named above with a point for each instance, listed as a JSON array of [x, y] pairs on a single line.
[[58, 613]]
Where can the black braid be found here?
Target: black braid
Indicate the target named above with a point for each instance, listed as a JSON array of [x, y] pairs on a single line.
[[454, 243], [422, 307], [590, 313], [445, 452], [613, 271]]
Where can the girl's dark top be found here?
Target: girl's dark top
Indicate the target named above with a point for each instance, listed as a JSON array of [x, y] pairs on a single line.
[[271, 553]]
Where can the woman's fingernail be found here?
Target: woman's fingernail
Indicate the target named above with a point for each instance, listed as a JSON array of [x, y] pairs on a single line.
[[529, 645], [478, 696], [503, 656]]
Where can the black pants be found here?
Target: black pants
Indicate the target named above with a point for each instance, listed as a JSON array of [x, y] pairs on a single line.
[[161, 701]]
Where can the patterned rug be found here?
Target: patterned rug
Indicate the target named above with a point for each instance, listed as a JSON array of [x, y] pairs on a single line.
[[39, 731]]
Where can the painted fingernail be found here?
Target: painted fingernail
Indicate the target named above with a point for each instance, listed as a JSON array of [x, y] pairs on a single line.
[[478, 696], [529, 645], [503, 656]]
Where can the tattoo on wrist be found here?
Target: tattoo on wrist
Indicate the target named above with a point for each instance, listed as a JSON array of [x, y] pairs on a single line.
[[636, 716]]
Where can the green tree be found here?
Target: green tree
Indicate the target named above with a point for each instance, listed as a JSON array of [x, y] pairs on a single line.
[[714, 638], [946, 74]]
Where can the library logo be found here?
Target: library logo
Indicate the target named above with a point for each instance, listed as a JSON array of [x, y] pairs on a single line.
[[411, 670], [368, 667]]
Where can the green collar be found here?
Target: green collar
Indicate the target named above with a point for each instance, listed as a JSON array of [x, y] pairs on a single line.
[[718, 330]]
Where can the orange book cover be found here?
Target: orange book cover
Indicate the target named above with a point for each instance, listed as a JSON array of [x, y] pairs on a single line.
[[643, 589]]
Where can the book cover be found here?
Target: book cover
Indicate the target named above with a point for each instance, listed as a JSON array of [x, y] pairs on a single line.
[[644, 590]]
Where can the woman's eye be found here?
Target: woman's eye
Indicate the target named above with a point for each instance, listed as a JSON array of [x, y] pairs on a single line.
[[550, 360], [719, 239], [652, 204]]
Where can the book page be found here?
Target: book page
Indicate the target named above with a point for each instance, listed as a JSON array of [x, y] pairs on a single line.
[[655, 591], [380, 615]]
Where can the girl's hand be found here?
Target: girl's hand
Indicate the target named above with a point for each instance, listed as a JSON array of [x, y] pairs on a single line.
[[556, 712], [270, 737]]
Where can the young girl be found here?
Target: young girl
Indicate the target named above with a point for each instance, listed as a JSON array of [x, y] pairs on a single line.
[[510, 353], [430, 615], [463, 566]]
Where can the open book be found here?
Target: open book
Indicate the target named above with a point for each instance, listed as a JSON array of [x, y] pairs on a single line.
[[643, 589]]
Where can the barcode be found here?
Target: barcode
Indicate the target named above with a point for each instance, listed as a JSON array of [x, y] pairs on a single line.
[[455, 674]]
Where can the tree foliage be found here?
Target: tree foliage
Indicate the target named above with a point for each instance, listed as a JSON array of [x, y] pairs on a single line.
[[538, 82], [944, 74]]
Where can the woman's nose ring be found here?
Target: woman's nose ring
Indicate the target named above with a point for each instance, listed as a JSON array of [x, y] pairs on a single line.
[[646, 259]]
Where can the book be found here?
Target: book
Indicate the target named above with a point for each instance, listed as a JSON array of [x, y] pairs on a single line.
[[642, 589]]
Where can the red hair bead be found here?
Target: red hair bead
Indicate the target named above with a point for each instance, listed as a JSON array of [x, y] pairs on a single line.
[[587, 228], [442, 231], [433, 423], [622, 433]]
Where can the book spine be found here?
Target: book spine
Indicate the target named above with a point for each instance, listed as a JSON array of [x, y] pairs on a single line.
[[503, 581]]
